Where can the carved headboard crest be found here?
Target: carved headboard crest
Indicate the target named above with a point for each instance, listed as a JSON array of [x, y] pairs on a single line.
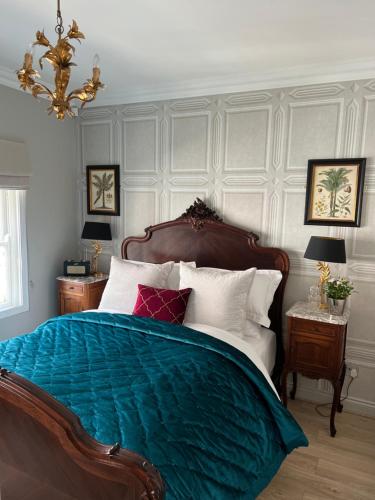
[[198, 214]]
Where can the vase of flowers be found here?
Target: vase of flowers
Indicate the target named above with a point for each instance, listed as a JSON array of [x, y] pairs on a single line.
[[338, 290]]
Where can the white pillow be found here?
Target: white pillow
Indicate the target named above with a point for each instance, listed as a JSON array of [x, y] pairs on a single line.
[[174, 278], [261, 294], [121, 290], [252, 329], [218, 297]]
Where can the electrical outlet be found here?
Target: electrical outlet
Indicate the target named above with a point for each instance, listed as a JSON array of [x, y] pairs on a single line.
[[352, 371]]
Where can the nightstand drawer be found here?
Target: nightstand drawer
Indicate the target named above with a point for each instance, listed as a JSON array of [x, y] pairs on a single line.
[[71, 288], [308, 326], [70, 304], [311, 354]]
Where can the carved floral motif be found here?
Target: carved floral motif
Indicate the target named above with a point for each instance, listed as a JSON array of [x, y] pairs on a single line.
[[199, 213]]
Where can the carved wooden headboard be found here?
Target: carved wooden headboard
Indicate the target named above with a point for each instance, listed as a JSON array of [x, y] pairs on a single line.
[[200, 235]]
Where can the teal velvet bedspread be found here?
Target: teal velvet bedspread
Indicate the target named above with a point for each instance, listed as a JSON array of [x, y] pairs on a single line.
[[193, 405]]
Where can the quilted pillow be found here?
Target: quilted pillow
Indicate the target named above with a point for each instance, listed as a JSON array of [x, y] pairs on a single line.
[[161, 303]]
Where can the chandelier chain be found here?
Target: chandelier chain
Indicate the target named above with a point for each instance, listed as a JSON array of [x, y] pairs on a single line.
[[59, 29]]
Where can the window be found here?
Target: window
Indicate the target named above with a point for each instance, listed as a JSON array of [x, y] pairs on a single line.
[[13, 255]]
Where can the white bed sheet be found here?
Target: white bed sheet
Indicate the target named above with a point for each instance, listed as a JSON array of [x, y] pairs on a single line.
[[265, 346], [249, 345]]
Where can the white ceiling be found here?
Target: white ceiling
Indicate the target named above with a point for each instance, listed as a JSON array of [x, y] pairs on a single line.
[[153, 49]]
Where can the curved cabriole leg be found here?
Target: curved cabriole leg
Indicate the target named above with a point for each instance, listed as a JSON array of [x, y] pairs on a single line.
[[294, 388], [335, 405], [342, 378]]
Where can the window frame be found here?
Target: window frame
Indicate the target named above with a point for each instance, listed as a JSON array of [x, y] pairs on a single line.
[[16, 245]]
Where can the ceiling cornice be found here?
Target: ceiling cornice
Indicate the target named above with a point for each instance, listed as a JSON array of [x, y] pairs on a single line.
[[8, 78], [288, 77]]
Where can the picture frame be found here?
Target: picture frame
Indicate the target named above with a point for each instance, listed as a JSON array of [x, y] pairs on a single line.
[[103, 189], [334, 192]]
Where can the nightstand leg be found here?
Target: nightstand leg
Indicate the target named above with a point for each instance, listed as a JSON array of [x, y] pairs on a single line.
[[342, 378], [335, 404], [294, 388]]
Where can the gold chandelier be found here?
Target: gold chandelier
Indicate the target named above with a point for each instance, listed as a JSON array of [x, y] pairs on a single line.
[[59, 56]]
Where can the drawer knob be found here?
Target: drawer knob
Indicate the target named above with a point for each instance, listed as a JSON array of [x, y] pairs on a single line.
[[71, 288]]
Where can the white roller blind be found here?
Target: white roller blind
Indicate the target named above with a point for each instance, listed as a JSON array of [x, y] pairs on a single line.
[[15, 169]]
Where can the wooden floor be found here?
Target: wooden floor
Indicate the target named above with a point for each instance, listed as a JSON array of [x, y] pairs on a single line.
[[340, 467]]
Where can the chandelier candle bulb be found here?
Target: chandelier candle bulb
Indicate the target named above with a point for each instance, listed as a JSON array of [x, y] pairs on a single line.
[[30, 49], [96, 61], [59, 56]]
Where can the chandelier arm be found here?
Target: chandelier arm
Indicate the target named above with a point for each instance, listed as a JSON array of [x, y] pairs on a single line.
[[84, 100], [45, 89], [85, 91], [74, 94]]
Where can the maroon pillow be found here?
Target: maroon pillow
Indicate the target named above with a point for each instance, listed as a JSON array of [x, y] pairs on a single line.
[[162, 304]]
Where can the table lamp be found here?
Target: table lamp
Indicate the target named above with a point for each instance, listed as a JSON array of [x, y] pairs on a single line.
[[96, 231], [325, 249]]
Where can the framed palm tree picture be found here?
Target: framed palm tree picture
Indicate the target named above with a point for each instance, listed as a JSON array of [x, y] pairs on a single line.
[[334, 192], [103, 190]]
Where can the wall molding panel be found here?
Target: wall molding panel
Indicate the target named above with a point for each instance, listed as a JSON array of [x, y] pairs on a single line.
[[191, 104], [216, 141], [313, 130], [246, 99], [137, 159], [317, 91], [246, 154], [277, 150], [97, 135], [350, 137], [184, 148], [240, 144]]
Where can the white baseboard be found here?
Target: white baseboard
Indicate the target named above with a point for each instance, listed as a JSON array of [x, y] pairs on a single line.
[[351, 404]]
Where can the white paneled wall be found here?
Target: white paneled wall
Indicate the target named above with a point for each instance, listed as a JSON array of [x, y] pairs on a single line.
[[246, 154]]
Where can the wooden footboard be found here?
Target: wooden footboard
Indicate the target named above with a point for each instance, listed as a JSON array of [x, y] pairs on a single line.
[[46, 454]]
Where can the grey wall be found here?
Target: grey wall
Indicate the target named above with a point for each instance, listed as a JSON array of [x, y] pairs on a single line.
[[247, 155], [51, 201]]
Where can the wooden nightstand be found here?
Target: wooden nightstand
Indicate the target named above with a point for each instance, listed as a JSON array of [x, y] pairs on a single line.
[[316, 349], [80, 294]]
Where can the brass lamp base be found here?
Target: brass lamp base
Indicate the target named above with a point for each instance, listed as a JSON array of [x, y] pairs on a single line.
[[325, 274], [323, 306], [97, 247]]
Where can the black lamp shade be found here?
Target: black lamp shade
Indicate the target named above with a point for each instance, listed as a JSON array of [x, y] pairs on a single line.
[[96, 231], [326, 249]]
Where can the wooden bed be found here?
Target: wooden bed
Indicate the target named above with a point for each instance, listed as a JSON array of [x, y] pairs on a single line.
[[45, 453]]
